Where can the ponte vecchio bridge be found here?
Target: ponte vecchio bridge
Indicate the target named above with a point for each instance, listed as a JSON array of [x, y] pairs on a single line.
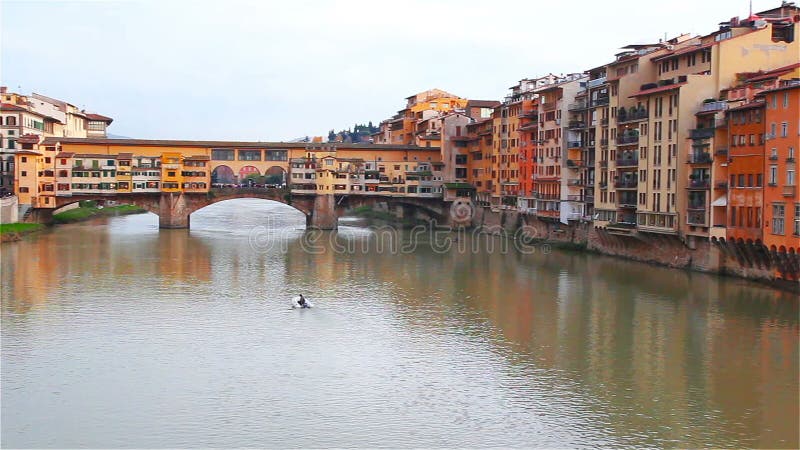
[[175, 178]]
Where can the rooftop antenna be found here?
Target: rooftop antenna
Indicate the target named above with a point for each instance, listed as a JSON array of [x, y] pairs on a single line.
[[751, 9]]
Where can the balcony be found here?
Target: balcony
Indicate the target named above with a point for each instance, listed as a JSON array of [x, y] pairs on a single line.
[[574, 182], [531, 113], [549, 106], [697, 217], [575, 144], [629, 161], [722, 151], [631, 115], [604, 121], [575, 163], [630, 139], [714, 106], [790, 191], [604, 164], [576, 125], [699, 184], [603, 185], [627, 183], [700, 158], [577, 106], [604, 142], [722, 185], [701, 133], [595, 83], [600, 101]]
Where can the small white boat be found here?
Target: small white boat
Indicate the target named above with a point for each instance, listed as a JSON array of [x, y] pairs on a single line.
[[296, 303]]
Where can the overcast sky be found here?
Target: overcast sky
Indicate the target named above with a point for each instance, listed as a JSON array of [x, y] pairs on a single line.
[[277, 70]]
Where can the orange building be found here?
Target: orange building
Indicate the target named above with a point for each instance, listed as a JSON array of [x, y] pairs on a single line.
[[781, 225], [745, 172]]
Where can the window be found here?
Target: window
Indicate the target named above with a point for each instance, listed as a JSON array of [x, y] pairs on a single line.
[[786, 99], [778, 211], [796, 219], [784, 129], [23, 189], [249, 155], [773, 175], [790, 177], [23, 173], [276, 155], [222, 155]]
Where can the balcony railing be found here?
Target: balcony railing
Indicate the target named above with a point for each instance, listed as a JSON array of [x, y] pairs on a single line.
[[628, 139], [699, 184], [721, 185], [603, 185], [604, 121], [625, 116], [576, 124], [714, 106], [575, 163], [722, 151], [577, 106], [604, 142], [596, 82], [604, 164], [789, 191], [575, 144], [628, 162], [701, 133], [627, 183], [600, 101], [574, 182], [700, 158]]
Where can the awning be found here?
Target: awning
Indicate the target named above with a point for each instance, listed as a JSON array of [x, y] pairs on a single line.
[[722, 201]]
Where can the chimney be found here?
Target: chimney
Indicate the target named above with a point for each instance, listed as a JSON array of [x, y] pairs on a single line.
[[3, 89]]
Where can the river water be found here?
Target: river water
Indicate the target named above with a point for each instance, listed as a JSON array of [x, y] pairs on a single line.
[[116, 334]]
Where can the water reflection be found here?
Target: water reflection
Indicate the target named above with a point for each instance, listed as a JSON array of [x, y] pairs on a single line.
[[422, 349]]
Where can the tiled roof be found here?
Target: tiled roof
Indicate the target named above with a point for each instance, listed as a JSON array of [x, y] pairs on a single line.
[[227, 144], [64, 155], [682, 51], [10, 107], [98, 117]]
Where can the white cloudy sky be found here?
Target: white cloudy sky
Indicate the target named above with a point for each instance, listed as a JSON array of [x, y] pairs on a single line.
[[276, 70]]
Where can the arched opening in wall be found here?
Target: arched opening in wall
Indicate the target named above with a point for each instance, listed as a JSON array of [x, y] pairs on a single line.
[[248, 217], [223, 175], [249, 175], [275, 176]]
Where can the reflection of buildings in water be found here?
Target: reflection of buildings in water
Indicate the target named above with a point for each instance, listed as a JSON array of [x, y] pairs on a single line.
[[29, 273]]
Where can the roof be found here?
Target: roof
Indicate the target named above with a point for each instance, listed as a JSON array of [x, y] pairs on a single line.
[[98, 117], [10, 107], [28, 139], [795, 84], [749, 105], [197, 158], [124, 155], [682, 51], [774, 73], [657, 89], [93, 155], [482, 103], [64, 155], [229, 144]]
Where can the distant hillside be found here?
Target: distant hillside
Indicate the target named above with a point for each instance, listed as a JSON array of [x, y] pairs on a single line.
[[359, 133]]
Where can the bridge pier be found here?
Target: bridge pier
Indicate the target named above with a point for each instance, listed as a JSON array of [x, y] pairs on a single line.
[[173, 211], [43, 216], [323, 216]]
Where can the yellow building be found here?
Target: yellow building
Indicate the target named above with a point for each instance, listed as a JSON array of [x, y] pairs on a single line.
[[171, 172]]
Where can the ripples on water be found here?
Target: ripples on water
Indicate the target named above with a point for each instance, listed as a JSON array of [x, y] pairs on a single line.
[[116, 334]]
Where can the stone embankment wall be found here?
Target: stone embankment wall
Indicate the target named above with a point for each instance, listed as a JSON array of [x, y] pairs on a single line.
[[747, 261]]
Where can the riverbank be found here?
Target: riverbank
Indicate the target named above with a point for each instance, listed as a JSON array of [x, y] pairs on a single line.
[[381, 215], [741, 260], [10, 232], [90, 210]]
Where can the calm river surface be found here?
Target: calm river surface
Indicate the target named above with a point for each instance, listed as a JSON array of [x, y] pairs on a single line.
[[116, 334]]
